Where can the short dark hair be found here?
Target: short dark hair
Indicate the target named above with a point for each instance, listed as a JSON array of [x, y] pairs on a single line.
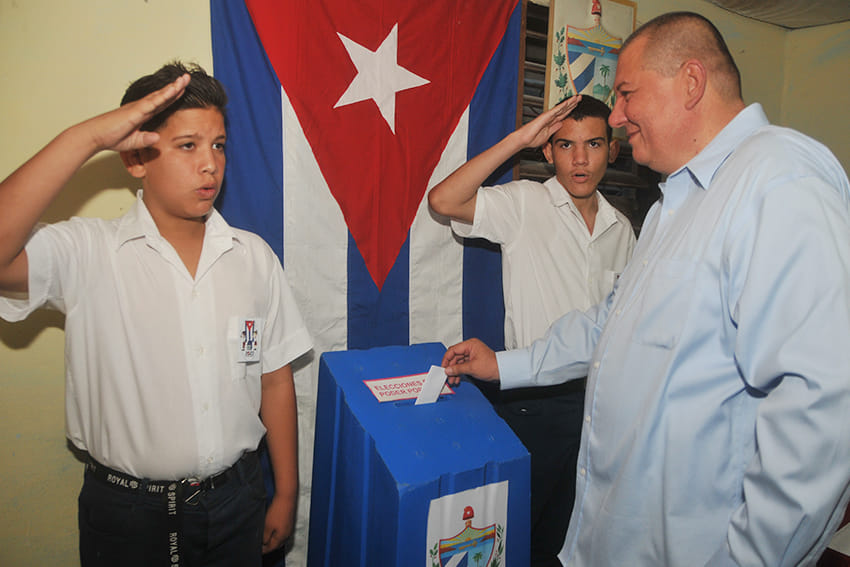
[[203, 91], [589, 107], [675, 37]]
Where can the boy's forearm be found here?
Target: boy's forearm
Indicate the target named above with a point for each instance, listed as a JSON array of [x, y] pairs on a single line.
[[455, 195], [278, 413], [26, 194]]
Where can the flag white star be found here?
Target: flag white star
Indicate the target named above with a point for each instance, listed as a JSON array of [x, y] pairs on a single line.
[[379, 76]]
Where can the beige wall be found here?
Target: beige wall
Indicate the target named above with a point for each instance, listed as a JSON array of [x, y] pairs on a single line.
[[816, 89], [65, 61]]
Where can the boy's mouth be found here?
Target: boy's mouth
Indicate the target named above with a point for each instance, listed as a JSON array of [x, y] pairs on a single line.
[[206, 192]]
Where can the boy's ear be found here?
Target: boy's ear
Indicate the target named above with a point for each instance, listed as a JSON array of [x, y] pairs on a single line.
[[133, 163], [613, 150], [547, 151]]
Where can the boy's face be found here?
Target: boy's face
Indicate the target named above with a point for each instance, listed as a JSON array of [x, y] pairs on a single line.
[[580, 152], [183, 171]]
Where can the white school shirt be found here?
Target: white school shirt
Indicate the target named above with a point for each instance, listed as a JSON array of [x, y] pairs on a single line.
[[158, 383], [551, 263]]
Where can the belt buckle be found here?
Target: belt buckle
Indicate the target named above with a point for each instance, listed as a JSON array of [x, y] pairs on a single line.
[[194, 485]]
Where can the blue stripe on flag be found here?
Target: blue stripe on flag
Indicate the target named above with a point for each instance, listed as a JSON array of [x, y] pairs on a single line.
[[378, 318], [253, 185]]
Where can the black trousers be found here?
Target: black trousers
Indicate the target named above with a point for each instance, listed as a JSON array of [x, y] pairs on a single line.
[[548, 421], [222, 527]]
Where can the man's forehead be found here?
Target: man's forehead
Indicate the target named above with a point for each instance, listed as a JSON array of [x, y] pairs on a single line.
[[628, 62]]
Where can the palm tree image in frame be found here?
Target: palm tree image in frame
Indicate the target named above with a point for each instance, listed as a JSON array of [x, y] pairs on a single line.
[[583, 46]]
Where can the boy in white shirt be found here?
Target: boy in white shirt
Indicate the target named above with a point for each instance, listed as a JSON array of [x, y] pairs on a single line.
[[563, 246], [179, 334]]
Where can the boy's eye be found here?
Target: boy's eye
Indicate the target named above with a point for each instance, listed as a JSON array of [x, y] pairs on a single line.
[[595, 144], [219, 146], [188, 145]]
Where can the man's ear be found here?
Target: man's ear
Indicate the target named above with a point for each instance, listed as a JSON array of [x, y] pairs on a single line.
[[696, 81], [613, 150], [547, 151], [133, 163]]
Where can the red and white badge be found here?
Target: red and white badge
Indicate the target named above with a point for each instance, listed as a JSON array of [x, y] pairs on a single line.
[[251, 332]]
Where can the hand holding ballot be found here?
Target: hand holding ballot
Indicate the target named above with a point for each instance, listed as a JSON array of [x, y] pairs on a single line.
[[470, 357]]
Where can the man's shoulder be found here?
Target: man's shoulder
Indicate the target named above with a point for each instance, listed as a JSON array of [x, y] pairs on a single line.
[[777, 150]]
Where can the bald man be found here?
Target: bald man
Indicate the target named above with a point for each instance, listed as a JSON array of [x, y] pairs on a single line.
[[717, 415]]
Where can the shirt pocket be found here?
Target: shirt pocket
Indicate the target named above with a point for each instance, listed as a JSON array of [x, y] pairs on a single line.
[[665, 303], [245, 347]]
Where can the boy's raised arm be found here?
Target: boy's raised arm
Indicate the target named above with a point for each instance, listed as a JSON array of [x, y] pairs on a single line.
[[455, 195], [29, 190]]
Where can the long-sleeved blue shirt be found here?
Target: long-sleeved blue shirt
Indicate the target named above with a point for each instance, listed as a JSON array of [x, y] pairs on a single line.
[[717, 417]]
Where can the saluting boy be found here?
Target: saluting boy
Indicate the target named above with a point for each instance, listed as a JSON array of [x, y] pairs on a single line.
[[178, 336], [563, 246]]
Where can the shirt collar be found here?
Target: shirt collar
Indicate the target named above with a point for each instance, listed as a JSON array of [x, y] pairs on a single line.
[[138, 223], [561, 197], [705, 164]]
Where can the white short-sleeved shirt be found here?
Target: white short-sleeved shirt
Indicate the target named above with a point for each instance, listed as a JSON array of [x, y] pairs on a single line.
[[162, 370], [551, 264]]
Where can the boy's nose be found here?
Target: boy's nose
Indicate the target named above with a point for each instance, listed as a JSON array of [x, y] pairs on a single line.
[[580, 155], [208, 164]]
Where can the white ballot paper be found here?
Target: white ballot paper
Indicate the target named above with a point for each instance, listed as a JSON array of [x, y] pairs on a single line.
[[432, 386]]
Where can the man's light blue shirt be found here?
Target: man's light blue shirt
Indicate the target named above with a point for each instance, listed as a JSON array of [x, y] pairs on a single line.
[[717, 416]]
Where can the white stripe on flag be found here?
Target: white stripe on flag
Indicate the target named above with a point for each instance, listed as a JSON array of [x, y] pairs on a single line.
[[436, 259], [314, 252]]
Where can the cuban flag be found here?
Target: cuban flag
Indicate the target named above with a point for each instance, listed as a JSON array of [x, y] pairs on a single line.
[[342, 115]]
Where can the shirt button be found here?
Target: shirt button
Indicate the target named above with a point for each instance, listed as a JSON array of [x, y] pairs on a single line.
[[645, 262], [587, 419], [195, 294], [201, 351], [596, 364], [582, 471]]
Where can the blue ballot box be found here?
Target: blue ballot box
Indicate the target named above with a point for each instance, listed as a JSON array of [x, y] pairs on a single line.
[[396, 484]]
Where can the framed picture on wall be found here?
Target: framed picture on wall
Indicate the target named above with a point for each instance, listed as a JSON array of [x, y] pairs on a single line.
[[583, 46]]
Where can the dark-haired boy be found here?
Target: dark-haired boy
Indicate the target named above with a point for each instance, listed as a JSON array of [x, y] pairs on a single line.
[[563, 245], [179, 334]]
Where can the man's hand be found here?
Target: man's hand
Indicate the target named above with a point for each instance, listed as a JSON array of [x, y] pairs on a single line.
[[470, 357], [280, 520]]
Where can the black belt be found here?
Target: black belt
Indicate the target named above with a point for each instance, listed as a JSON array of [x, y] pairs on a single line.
[[174, 493], [190, 488]]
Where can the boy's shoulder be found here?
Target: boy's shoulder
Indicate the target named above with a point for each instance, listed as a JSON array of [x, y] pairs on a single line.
[[253, 242], [520, 187]]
